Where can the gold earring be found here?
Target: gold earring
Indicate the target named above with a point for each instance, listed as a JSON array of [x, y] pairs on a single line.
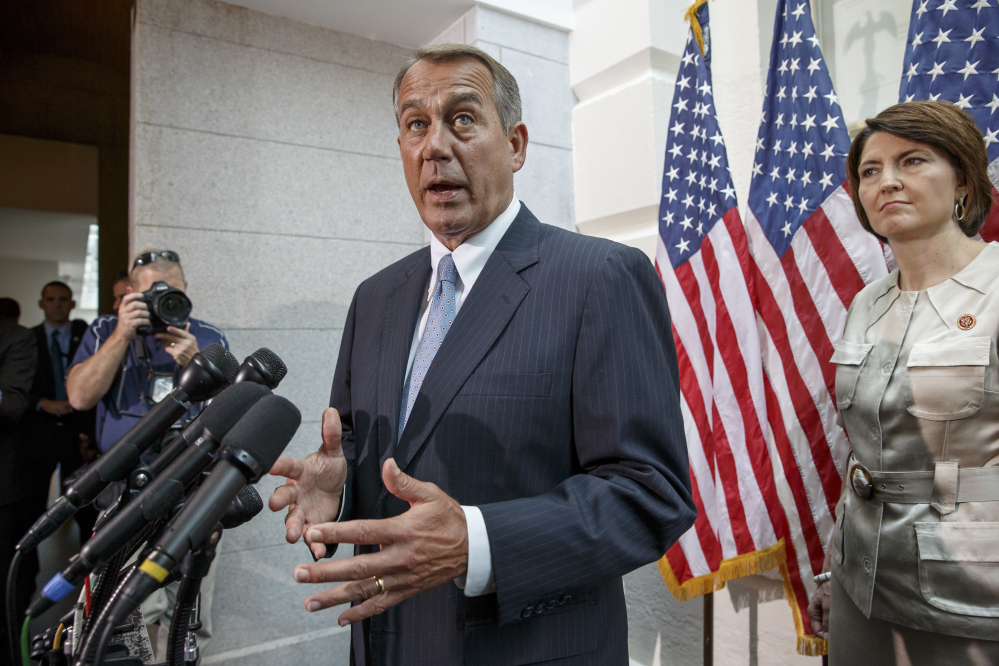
[[961, 208]]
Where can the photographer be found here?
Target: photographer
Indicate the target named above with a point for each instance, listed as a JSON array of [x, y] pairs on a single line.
[[123, 371], [126, 364]]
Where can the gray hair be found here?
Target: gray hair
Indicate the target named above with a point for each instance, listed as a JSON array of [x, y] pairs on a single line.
[[506, 94]]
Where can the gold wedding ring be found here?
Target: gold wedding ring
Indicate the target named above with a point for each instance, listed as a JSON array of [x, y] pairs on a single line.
[[379, 585]]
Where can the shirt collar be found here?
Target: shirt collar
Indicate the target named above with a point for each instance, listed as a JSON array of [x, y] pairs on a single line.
[[63, 330], [471, 256]]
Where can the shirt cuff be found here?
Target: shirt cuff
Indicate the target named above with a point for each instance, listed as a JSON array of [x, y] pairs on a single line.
[[478, 579]]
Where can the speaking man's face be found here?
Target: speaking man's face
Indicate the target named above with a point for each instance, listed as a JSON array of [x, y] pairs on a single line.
[[459, 162]]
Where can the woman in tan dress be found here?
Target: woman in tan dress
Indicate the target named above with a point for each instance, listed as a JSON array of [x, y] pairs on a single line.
[[915, 553]]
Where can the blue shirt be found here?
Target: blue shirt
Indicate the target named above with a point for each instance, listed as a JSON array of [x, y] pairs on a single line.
[[130, 396]]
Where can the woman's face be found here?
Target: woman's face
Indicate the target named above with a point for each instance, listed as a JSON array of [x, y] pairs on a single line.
[[908, 189]]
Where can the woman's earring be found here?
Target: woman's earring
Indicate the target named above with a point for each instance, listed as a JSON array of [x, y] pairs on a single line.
[[960, 208]]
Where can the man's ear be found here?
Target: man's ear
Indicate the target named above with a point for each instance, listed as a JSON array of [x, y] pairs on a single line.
[[517, 136], [72, 305], [40, 306], [129, 290]]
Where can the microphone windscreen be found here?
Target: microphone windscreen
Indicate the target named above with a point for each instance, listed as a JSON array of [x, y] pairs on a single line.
[[222, 359], [229, 406], [272, 362], [265, 430], [242, 508]]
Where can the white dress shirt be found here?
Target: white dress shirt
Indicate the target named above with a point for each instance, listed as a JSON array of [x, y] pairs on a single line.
[[469, 259]]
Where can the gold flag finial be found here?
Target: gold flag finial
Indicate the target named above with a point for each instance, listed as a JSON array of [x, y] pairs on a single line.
[[695, 24]]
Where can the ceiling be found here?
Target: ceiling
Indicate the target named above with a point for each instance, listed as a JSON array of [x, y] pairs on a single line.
[[406, 23]]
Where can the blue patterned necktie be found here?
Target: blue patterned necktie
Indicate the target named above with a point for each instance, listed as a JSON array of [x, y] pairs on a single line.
[[58, 366], [439, 322]]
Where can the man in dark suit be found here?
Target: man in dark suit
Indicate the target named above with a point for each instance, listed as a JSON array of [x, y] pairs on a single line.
[[505, 438], [59, 433], [17, 369]]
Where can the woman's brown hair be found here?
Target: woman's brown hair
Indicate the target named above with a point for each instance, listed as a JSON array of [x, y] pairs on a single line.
[[945, 127]]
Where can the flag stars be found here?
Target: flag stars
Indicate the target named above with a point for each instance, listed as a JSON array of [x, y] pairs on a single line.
[[700, 228], [717, 138], [729, 192], [780, 120], [811, 94], [787, 225], [795, 40], [789, 203], [832, 98], [942, 37], [917, 40], [963, 102], [673, 174], [681, 105], [792, 150], [913, 71], [777, 147], [683, 246], [947, 6], [675, 150], [830, 123], [757, 169], [794, 121], [806, 178], [713, 185], [799, 11], [922, 8], [692, 156], [775, 174], [705, 89], [809, 122], [714, 162], [759, 143], [813, 65], [828, 152], [980, 5], [783, 67], [780, 93], [772, 199], [688, 201], [704, 181], [806, 150], [691, 178], [671, 195], [677, 128], [688, 59], [794, 65], [803, 204], [790, 176], [814, 39], [976, 36], [684, 82], [994, 104], [969, 69], [937, 70], [687, 222], [826, 180], [668, 219], [990, 137]]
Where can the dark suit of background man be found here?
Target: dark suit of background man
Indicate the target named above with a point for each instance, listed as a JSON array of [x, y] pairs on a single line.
[[523, 379], [17, 370], [60, 433]]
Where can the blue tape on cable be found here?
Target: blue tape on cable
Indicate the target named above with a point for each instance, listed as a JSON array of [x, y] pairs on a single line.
[[57, 588]]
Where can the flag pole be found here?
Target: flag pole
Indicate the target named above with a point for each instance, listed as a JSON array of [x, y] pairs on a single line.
[[709, 629]]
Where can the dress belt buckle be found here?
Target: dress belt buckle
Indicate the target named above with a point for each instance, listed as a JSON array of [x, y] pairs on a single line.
[[861, 481]]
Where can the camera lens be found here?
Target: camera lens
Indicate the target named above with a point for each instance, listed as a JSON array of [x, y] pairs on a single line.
[[174, 306]]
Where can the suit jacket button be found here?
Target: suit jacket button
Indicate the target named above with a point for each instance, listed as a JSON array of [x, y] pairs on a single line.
[[527, 612]]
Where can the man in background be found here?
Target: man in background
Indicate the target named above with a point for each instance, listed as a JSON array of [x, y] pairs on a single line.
[[17, 370], [60, 434], [119, 288]]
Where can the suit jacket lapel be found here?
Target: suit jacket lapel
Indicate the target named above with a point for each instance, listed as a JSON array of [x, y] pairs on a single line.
[[402, 307], [498, 293]]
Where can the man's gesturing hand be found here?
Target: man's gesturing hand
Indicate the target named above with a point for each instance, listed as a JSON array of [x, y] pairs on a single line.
[[425, 547], [312, 493]]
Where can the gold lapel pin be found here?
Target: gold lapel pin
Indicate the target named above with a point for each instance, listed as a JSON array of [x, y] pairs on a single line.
[[966, 322]]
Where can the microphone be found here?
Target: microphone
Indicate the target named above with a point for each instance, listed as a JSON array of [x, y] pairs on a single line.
[[210, 371], [243, 507], [248, 452], [261, 367], [159, 497]]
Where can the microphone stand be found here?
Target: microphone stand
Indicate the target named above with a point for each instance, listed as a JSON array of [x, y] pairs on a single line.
[[182, 644]]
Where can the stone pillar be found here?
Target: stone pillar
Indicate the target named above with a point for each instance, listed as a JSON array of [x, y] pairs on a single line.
[[537, 54]]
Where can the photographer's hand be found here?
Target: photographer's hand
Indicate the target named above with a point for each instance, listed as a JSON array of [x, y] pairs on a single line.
[[132, 314], [179, 343]]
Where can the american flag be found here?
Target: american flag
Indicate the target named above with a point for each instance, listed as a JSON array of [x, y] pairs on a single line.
[[810, 258], [952, 54], [703, 259]]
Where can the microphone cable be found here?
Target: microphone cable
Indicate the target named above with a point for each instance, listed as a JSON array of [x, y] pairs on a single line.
[[10, 599]]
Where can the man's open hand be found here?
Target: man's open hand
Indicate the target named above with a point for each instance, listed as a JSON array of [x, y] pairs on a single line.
[[425, 547], [312, 493]]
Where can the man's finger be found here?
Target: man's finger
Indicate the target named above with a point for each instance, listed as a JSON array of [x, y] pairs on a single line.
[[405, 487], [357, 532], [181, 333], [358, 567], [282, 497], [293, 523], [332, 431], [354, 591], [373, 606], [290, 468]]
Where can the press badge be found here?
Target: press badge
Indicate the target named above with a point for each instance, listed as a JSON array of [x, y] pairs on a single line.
[[162, 385]]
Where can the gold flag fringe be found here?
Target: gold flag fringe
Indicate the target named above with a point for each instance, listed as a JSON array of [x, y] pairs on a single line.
[[745, 565], [695, 25]]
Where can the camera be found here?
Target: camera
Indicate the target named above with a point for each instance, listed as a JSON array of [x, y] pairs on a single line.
[[167, 305]]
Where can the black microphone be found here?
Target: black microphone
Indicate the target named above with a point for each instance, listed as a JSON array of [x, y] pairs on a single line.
[[261, 367], [210, 371], [248, 452], [159, 497], [243, 507]]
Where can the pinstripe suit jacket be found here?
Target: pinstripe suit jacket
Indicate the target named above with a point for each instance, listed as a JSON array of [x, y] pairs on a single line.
[[553, 405]]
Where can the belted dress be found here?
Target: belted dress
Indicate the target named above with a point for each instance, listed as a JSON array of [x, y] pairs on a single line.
[[916, 541]]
